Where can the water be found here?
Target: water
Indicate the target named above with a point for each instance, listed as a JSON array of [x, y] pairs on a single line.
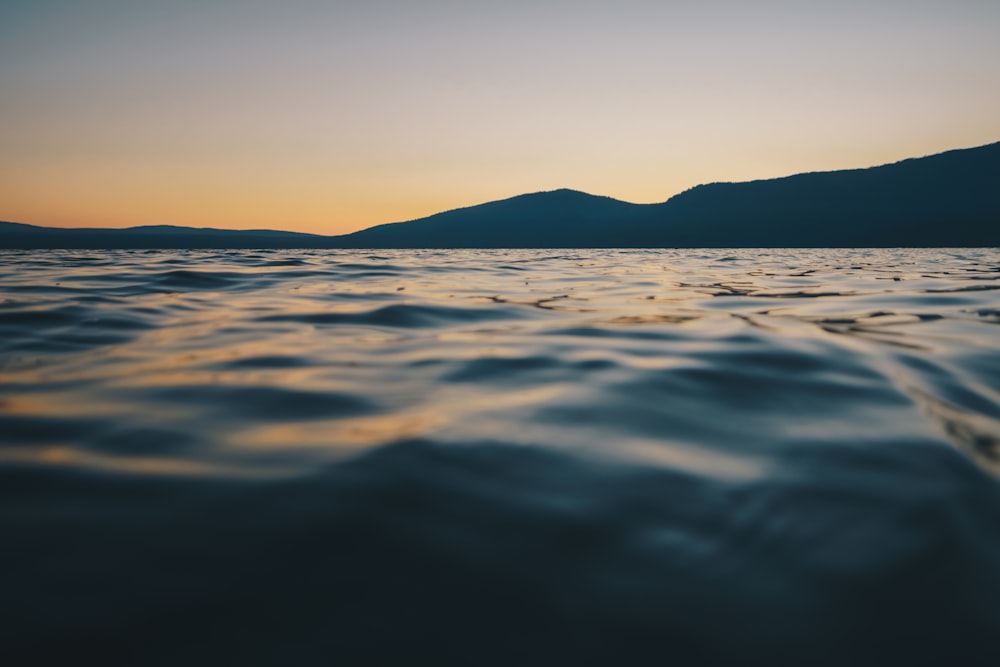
[[753, 457]]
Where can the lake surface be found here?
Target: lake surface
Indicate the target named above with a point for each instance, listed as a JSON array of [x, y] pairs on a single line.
[[746, 457]]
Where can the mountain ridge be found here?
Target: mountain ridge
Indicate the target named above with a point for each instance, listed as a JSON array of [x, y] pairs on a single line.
[[944, 199]]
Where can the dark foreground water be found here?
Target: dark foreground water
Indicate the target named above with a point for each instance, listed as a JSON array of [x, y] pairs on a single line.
[[748, 457]]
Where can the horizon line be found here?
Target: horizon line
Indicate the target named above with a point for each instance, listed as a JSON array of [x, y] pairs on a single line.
[[502, 199]]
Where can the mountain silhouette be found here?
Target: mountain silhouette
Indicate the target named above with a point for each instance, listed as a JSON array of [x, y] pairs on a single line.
[[558, 218], [18, 235], [948, 199]]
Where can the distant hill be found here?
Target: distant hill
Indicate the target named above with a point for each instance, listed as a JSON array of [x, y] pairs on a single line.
[[555, 219], [949, 199], [16, 235]]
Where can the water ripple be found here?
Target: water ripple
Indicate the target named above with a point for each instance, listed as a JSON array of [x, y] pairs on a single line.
[[754, 457]]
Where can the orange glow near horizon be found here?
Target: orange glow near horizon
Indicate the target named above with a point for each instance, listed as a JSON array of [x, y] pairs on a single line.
[[329, 118], [95, 197]]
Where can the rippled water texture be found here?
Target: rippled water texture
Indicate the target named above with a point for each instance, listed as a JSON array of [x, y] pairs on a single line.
[[501, 457]]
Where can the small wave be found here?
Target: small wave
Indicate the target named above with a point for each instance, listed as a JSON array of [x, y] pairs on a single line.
[[397, 315], [190, 279], [266, 403]]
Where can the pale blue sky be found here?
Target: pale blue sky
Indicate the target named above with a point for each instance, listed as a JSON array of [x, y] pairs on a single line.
[[329, 117]]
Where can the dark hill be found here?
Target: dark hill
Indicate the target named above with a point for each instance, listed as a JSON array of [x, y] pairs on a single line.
[[559, 218], [949, 199], [16, 235]]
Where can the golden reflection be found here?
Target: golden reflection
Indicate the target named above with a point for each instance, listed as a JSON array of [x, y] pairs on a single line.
[[476, 335], [975, 433], [344, 435], [54, 404], [653, 319], [64, 456], [387, 428], [699, 460], [347, 435]]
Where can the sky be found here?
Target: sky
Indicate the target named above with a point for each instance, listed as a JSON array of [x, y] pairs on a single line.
[[328, 117]]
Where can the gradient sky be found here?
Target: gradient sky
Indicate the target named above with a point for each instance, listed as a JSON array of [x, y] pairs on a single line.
[[333, 116]]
